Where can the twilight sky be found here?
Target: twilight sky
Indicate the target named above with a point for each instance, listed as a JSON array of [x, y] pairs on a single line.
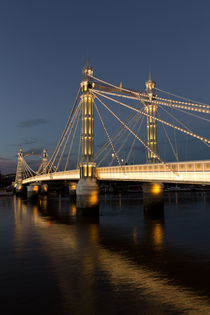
[[43, 47]]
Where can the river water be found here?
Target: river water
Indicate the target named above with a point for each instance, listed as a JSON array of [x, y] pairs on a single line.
[[122, 262]]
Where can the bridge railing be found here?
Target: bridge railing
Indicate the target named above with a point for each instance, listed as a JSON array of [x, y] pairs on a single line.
[[196, 172], [182, 172]]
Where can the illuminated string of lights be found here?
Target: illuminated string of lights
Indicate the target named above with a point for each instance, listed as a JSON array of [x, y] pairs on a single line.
[[73, 137], [118, 87], [162, 101], [117, 134], [69, 131], [160, 120], [134, 140], [125, 139], [183, 103], [50, 164], [108, 136], [78, 154], [181, 97], [169, 140], [131, 131]]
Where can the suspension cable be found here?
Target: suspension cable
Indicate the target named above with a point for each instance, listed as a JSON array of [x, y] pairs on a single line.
[[203, 139], [108, 136], [69, 133], [65, 129], [134, 140], [139, 139], [78, 155], [169, 140], [72, 141], [117, 87], [116, 136], [184, 98]]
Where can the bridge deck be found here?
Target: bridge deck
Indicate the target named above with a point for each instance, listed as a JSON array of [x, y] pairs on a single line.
[[195, 172]]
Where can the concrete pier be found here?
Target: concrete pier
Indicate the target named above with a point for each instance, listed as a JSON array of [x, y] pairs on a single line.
[[72, 190], [43, 189], [153, 197], [87, 196], [33, 191], [19, 189]]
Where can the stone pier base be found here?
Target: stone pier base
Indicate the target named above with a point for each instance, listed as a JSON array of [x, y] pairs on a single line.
[[153, 197], [72, 190], [87, 196], [19, 189], [33, 191], [43, 189]]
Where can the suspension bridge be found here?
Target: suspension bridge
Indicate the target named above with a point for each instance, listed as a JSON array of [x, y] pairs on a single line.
[[132, 125]]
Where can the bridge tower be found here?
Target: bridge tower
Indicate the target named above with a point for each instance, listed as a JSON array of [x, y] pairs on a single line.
[[152, 192], [151, 109], [87, 187], [18, 179], [44, 161]]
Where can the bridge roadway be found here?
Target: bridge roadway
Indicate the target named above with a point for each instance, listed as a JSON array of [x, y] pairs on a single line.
[[194, 172]]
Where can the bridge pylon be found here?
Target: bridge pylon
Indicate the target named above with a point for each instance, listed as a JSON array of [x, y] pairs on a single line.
[[151, 109], [44, 161], [87, 187], [18, 179]]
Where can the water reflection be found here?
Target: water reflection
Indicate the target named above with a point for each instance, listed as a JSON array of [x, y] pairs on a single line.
[[91, 262]]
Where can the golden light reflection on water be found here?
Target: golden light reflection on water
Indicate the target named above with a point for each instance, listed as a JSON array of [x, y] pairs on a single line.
[[93, 199], [73, 209], [135, 235], [62, 243], [158, 235], [94, 232]]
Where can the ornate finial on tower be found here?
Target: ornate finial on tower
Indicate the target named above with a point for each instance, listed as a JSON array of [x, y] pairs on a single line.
[[150, 76], [87, 71], [150, 85]]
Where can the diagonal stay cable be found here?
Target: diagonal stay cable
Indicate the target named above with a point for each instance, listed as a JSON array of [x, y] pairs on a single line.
[[139, 139], [69, 133], [169, 140], [73, 137], [78, 154], [203, 139], [65, 130], [107, 133], [134, 140], [117, 133]]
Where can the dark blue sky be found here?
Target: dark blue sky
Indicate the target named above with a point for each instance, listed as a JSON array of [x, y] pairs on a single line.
[[43, 49]]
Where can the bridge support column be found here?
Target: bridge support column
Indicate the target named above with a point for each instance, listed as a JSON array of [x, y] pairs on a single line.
[[87, 188], [153, 197], [33, 191], [18, 179], [44, 161], [43, 189], [72, 189]]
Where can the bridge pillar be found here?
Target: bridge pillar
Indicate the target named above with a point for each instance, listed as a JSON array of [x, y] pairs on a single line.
[[44, 161], [43, 189], [153, 197], [33, 190], [18, 179], [151, 109], [87, 188], [72, 189]]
